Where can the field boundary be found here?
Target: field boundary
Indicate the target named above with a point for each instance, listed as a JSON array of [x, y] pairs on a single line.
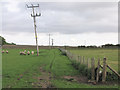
[[97, 72]]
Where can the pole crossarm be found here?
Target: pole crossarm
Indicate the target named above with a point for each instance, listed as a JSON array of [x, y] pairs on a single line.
[[37, 15], [32, 6]]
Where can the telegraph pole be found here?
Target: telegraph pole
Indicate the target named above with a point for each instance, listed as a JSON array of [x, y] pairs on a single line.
[[49, 41], [34, 18], [52, 43]]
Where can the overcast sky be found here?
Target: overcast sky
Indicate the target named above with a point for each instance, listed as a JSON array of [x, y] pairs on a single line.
[[69, 23]]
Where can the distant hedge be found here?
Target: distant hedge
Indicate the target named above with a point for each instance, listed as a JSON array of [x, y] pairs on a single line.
[[102, 46]]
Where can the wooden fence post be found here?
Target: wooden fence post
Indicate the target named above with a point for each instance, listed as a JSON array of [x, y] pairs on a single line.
[[93, 69], [88, 63], [83, 60], [71, 56], [104, 70], [80, 59], [98, 70]]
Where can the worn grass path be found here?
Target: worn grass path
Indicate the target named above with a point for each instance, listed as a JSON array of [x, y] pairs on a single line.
[[44, 71]]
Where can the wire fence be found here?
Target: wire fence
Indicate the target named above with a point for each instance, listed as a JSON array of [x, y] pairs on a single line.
[[93, 68]]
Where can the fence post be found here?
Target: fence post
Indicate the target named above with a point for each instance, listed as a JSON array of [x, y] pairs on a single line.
[[92, 69], [98, 70], [88, 63], [80, 59], [70, 56], [83, 60], [104, 70]]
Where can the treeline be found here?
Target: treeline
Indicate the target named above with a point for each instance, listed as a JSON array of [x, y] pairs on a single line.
[[102, 46], [3, 41]]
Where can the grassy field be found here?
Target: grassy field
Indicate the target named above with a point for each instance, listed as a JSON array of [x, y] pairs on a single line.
[[110, 54], [46, 70]]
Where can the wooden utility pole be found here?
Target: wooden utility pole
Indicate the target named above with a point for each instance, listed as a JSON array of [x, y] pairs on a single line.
[[34, 18], [52, 43], [49, 41]]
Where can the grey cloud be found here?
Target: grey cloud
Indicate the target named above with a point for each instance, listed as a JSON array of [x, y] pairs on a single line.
[[66, 18]]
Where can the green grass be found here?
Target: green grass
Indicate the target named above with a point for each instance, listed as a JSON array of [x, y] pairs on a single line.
[[110, 54], [14, 65], [66, 84]]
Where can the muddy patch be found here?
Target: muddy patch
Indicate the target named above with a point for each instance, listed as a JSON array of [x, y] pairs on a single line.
[[43, 81], [83, 79], [80, 79]]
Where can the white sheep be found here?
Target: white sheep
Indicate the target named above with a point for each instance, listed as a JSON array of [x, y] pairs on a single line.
[[22, 53], [32, 52], [28, 52], [3, 51], [7, 51]]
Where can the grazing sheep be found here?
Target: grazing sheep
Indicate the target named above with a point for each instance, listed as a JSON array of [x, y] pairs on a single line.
[[22, 53], [7, 51], [28, 52], [32, 52], [3, 51]]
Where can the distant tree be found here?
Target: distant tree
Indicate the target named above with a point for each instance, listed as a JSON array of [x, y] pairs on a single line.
[[3, 41], [102, 46], [110, 46], [81, 46], [87, 46], [11, 43], [118, 45], [92, 46]]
